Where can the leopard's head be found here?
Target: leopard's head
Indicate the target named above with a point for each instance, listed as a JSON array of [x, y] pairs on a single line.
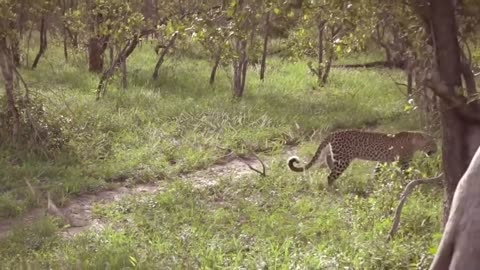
[[425, 143]]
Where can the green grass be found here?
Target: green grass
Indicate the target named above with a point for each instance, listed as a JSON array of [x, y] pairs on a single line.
[[157, 130], [282, 221]]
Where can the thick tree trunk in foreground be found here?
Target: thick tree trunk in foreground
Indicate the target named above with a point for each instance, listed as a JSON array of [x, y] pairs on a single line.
[[461, 137]]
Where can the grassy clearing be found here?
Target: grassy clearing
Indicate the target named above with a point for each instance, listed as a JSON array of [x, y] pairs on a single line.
[[179, 124], [282, 221]]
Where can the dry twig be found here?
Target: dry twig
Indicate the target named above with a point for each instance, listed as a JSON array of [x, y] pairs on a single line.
[[406, 192], [263, 172]]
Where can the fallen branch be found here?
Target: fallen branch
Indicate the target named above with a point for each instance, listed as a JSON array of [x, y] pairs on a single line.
[[262, 173], [406, 192]]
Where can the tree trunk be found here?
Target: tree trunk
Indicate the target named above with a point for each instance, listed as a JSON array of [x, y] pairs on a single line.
[[111, 53], [321, 30], [15, 49], [96, 48], [65, 32], [240, 68], [263, 65], [7, 68], [170, 44], [65, 46], [121, 58], [43, 42], [218, 57], [149, 10], [29, 39], [460, 137], [124, 74], [328, 64], [409, 83]]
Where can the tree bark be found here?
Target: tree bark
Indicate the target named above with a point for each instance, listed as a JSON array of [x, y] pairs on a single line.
[[218, 57], [96, 48], [328, 64], [124, 74], [165, 50], [321, 30], [149, 10], [43, 42], [240, 68], [65, 32], [263, 65], [460, 137], [8, 69], [121, 58], [29, 39], [409, 83]]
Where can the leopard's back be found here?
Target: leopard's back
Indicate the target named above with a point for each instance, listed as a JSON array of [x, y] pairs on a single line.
[[369, 145], [343, 146]]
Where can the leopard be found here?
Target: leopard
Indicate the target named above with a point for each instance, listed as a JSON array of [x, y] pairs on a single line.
[[339, 148]]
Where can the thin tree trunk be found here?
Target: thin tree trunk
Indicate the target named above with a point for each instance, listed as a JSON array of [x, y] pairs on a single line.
[[65, 32], [321, 29], [263, 65], [15, 50], [111, 52], [96, 49], [328, 64], [218, 57], [237, 79], [240, 68], [29, 39], [244, 70], [409, 83], [65, 46], [7, 68], [124, 75], [170, 44], [121, 58], [43, 42]]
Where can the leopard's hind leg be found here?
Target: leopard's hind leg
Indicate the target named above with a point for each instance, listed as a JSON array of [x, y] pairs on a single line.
[[339, 166]]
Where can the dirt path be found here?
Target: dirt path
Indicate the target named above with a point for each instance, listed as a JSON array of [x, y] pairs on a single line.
[[79, 211]]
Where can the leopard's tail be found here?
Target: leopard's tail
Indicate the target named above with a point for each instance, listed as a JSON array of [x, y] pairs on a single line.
[[293, 160]]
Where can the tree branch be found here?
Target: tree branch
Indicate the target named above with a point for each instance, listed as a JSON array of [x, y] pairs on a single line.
[[262, 173], [170, 44], [468, 110], [403, 198], [122, 56]]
